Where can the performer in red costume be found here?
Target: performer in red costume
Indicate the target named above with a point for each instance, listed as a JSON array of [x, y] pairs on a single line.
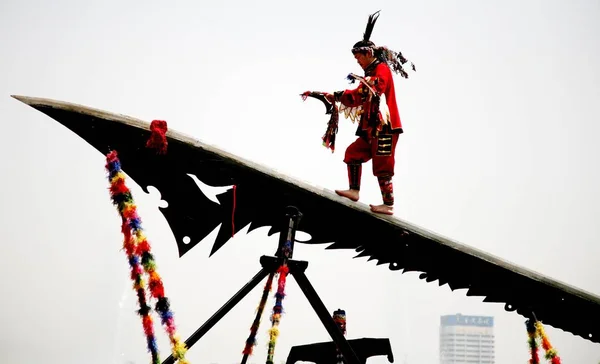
[[373, 104]]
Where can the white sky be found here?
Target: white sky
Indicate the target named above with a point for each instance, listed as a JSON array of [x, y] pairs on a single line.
[[499, 152]]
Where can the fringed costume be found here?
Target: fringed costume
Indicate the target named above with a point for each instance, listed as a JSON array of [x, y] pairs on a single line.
[[373, 105]]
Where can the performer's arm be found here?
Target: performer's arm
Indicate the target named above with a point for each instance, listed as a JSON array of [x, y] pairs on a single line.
[[379, 82], [350, 98]]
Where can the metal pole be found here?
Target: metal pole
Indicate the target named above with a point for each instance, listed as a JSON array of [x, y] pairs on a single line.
[[212, 321], [287, 237]]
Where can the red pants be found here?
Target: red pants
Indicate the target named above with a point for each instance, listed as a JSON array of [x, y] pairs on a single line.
[[381, 149]]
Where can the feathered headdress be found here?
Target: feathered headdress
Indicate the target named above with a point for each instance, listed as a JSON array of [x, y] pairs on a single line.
[[394, 59]]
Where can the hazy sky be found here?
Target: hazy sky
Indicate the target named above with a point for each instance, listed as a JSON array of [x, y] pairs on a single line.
[[500, 152]]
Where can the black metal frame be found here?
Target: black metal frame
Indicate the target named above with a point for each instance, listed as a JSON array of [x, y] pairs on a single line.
[[296, 270]]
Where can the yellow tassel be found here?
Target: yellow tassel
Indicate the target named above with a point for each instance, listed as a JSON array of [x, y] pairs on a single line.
[[118, 176], [140, 235], [273, 333]]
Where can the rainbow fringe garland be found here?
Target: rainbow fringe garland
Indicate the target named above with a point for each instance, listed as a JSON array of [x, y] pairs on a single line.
[[282, 272], [535, 331], [277, 310], [551, 353], [251, 341], [137, 247], [533, 347]]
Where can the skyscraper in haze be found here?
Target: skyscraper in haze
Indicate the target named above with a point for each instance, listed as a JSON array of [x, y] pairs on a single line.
[[466, 339]]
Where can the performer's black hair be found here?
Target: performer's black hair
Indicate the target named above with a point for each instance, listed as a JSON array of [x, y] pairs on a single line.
[[394, 59]]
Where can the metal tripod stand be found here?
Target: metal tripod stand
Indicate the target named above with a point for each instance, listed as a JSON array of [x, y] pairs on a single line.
[[296, 269]]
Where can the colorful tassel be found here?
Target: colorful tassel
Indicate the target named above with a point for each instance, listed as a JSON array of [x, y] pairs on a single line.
[[277, 311], [121, 197], [138, 251], [535, 331], [251, 341], [551, 353], [533, 345]]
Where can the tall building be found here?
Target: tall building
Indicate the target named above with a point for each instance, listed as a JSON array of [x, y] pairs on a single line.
[[466, 339]]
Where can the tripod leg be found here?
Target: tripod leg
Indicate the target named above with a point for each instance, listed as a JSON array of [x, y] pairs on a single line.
[[212, 321], [338, 338]]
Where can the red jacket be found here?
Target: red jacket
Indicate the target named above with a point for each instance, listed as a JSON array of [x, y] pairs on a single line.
[[381, 77]]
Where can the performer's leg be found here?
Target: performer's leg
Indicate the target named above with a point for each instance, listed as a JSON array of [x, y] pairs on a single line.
[[354, 175], [356, 154], [384, 152]]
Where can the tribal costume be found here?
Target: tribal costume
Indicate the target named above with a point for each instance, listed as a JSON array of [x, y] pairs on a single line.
[[373, 105]]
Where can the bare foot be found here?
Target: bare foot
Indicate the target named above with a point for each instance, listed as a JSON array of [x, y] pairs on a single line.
[[350, 194], [382, 209]]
